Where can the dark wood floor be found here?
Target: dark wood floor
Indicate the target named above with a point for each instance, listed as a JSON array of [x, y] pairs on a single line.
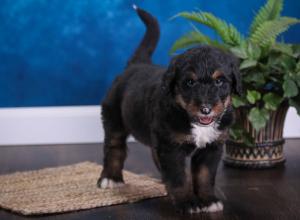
[[265, 194]]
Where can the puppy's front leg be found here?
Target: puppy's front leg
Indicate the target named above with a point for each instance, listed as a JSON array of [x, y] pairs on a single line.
[[204, 167], [172, 167]]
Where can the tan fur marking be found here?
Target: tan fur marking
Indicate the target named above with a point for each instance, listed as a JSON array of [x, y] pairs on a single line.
[[180, 138], [203, 181], [194, 76], [180, 101], [227, 101], [217, 74], [203, 174], [117, 139], [192, 108], [115, 142], [218, 108], [115, 164]]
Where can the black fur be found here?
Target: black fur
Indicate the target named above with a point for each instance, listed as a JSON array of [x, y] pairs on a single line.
[[158, 107]]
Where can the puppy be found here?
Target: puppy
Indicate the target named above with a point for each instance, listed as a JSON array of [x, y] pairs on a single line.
[[181, 112]]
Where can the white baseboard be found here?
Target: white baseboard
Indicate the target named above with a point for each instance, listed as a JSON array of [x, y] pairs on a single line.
[[50, 125], [74, 124]]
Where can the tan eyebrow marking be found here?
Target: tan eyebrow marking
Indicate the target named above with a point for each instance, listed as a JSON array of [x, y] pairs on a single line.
[[217, 74], [194, 76]]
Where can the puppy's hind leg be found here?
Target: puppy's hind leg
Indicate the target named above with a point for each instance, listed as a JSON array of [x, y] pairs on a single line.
[[114, 157], [115, 150]]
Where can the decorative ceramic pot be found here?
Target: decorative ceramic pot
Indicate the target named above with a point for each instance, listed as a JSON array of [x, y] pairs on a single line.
[[268, 149]]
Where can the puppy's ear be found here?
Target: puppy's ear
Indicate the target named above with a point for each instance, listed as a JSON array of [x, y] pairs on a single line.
[[236, 76], [168, 80]]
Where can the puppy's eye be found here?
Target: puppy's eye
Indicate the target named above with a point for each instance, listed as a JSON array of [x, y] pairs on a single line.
[[190, 82], [219, 82]]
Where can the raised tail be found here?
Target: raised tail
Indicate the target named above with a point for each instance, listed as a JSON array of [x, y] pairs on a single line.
[[147, 46]]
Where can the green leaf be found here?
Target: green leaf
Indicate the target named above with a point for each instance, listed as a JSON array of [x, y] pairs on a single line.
[[247, 64], [257, 78], [228, 33], [258, 118], [253, 96], [272, 101], [238, 101], [265, 50], [273, 59], [239, 52], [248, 139], [290, 88], [288, 63], [270, 11], [267, 32], [296, 50], [296, 77], [283, 48], [190, 39], [253, 51], [298, 66], [235, 133], [239, 134], [193, 38]]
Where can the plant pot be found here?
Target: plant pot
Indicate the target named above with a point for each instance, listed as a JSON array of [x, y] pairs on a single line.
[[267, 151]]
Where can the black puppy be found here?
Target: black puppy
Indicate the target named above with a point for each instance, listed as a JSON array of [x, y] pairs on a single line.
[[180, 111]]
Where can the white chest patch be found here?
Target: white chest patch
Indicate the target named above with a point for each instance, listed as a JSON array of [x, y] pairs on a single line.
[[204, 134]]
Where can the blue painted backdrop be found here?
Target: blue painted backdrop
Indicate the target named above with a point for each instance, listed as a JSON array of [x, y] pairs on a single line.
[[67, 52]]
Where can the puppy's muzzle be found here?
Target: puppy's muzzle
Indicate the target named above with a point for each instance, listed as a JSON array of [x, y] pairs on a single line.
[[205, 109]]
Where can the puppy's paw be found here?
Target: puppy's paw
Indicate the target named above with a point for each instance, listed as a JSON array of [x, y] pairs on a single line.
[[195, 206], [188, 206], [106, 183], [213, 207]]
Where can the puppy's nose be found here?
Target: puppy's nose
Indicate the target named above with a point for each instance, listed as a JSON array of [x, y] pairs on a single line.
[[204, 109]]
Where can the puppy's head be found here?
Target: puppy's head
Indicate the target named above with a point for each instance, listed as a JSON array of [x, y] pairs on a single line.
[[201, 81]]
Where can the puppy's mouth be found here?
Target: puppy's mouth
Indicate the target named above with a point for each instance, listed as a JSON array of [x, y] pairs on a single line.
[[205, 120]]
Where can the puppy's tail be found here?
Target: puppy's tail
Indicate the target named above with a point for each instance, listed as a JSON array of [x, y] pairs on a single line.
[[147, 46]]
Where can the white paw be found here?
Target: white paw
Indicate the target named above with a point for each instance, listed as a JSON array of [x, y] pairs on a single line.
[[214, 207], [110, 184], [194, 210]]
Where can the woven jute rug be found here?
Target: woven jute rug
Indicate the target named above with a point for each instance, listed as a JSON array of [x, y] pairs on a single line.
[[70, 188]]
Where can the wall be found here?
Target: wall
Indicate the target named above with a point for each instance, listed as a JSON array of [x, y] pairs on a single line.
[[67, 52]]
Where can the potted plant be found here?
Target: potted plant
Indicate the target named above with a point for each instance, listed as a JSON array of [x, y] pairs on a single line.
[[271, 81]]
